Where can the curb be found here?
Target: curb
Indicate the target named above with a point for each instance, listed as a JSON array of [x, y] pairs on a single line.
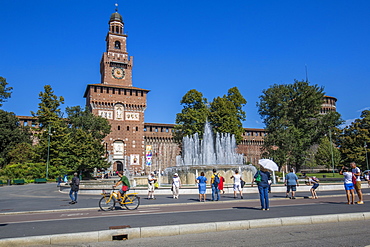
[[171, 230]]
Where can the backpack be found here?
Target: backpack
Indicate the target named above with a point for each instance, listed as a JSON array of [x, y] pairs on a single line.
[[216, 180], [258, 177]]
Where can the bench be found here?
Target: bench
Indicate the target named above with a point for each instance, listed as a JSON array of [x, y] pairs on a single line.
[[18, 181], [1, 183], [40, 180]]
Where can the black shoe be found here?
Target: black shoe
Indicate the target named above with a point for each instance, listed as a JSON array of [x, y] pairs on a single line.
[[241, 197], [293, 197], [75, 201], [286, 196], [72, 202]]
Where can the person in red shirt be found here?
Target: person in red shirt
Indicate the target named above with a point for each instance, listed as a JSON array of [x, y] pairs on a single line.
[[221, 185]]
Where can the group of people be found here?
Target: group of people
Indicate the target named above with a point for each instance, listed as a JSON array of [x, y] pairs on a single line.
[[352, 183], [216, 183]]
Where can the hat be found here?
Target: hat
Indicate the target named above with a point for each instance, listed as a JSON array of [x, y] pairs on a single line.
[[152, 173], [175, 174]]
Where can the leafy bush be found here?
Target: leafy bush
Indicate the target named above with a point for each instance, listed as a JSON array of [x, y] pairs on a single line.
[[31, 171]]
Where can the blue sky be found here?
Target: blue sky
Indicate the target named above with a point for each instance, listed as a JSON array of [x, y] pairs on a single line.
[[180, 45]]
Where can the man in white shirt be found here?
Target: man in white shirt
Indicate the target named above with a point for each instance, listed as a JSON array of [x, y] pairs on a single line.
[[237, 186], [357, 173]]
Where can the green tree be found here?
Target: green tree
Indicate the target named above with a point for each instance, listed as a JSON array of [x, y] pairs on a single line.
[[291, 113], [5, 92], [226, 114], [11, 134], [193, 116], [53, 133], [352, 140], [86, 133], [22, 153], [324, 154]]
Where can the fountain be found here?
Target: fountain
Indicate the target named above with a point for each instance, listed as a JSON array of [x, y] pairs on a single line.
[[213, 151]]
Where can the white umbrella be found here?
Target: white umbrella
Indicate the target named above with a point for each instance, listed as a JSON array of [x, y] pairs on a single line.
[[268, 164]]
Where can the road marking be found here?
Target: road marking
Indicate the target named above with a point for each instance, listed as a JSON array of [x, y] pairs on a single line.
[[71, 215]]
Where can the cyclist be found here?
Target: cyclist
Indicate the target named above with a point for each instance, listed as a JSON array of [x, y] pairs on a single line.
[[125, 185]]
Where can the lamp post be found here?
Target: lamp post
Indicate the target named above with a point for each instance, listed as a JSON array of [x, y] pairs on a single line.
[[367, 162], [48, 158], [331, 151]]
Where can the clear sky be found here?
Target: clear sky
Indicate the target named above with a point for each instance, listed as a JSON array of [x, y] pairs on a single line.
[[180, 45]]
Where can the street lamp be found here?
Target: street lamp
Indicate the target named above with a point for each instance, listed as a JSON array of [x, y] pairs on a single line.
[[48, 158], [331, 151], [367, 162]]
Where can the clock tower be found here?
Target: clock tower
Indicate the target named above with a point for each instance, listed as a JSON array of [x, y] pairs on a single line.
[[116, 64], [115, 99]]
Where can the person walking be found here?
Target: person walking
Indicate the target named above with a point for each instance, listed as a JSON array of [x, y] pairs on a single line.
[[291, 183], [357, 173], [348, 184], [237, 184], [262, 178], [202, 186], [75, 186], [221, 185], [314, 181], [215, 180], [176, 185], [151, 180]]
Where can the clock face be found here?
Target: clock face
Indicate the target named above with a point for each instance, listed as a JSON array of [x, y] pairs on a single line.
[[118, 73]]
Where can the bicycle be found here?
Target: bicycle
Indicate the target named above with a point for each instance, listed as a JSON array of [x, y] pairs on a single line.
[[108, 202]]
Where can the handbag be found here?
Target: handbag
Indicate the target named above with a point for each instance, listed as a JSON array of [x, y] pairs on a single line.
[[156, 185]]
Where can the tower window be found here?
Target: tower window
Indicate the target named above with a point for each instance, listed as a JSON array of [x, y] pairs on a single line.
[[119, 127], [137, 128], [117, 45], [128, 127], [117, 29]]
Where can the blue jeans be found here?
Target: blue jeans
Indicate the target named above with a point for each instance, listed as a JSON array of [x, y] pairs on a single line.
[[73, 198], [264, 197], [215, 191]]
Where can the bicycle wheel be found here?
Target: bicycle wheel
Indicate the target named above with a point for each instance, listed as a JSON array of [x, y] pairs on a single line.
[[132, 202], [106, 205]]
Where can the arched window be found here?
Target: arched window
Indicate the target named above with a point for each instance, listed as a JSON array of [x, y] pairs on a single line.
[[117, 45]]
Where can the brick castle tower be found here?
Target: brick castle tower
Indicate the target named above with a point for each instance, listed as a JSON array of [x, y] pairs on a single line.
[[115, 99]]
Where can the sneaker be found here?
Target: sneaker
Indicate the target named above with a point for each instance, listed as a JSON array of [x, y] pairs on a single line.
[[360, 202], [267, 209], [241, 197], [293, 197], [72, 202]]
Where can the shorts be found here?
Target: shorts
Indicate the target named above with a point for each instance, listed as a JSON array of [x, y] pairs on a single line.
[[123, 189], [291, 187], [237, 187], [358, 185], [315, 186], [349, 186], [150, 187]]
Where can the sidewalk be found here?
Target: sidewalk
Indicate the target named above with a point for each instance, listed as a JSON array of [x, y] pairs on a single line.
[[38, 195]]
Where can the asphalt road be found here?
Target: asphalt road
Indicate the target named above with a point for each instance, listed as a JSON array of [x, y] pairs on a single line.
[[85, 215], [353, 233]]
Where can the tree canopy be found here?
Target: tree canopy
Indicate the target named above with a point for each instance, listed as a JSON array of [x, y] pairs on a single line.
[[293, 121], [5, 92], [225, 114], [11, 134], [193, 116], [354, 138]]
